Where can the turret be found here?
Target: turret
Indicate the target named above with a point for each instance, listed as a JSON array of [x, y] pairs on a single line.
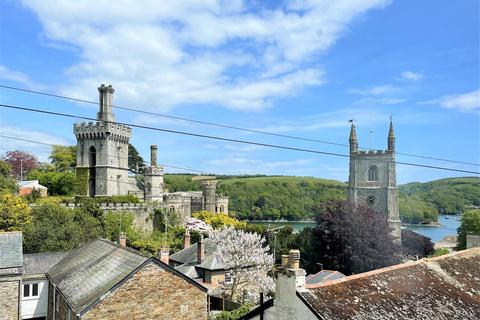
[[153, 155], [391, 137], [353, 139], [105, 101], [209, 195]]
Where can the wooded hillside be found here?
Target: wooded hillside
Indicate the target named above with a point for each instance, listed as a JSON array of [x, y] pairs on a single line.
[[297, 198]]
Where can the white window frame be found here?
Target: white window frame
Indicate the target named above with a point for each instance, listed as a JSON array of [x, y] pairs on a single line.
[[30, 290]]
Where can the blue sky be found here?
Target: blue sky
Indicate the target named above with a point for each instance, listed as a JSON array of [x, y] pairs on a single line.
[[299, 68]]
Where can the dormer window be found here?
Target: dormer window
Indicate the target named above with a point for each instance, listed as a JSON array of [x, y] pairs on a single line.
[[373, 173]]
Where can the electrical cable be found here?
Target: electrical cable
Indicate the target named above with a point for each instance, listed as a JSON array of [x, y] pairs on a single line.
[[198, 135], [225, 126]]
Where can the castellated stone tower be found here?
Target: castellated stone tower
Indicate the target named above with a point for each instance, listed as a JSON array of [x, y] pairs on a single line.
[[153, 178], [373, 180], [102, 150], [209, 195]]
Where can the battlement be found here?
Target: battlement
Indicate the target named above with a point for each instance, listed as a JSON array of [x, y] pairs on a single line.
[[102, 130], [373, 153], [154, 171]]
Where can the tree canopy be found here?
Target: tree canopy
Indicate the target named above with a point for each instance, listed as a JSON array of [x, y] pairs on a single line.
[[64, 158], [248, 262], [21, 163], [351, 239], [470, 225], [15, 214], [135, 159], [7, 183]]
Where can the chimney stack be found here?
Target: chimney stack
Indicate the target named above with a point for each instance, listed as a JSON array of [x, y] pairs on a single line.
[[290, 278], [164, 253], [186, 239], [122, 239], [200, 250], [153, 155]]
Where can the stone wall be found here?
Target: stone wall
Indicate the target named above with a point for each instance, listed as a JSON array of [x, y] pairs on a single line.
[[473, 241], [9, 297], [58, 309], [152, 293], [143, 215]]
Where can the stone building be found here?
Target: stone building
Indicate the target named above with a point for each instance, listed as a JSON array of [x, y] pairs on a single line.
[[445, 287], [373, 179], [104, 280], [198, 262], [34, 295], [11, 269], [102, 163]]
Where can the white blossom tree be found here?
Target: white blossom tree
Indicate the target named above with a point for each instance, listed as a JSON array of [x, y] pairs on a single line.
[[197, 225], [246, 258]]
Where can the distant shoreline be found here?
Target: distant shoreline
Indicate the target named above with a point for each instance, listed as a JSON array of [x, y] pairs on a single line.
[[280, 221]]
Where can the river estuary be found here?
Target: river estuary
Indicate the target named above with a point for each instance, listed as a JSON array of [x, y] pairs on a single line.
[[448, 226]]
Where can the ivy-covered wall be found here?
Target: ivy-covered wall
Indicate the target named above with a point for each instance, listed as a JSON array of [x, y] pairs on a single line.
[[82, 181]]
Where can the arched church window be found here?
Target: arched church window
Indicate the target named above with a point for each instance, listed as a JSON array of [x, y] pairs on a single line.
[[222, 209], [373, 173]]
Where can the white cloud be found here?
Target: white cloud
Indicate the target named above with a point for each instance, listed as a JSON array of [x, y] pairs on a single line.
[[411, 76], [469, 101], [376, 90], [465, 102], [160, 55], [19, 77], [330, 120], [42, 151]]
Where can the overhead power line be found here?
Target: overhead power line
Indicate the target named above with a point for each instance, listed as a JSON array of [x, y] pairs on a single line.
[[198, 135], [225, 126], [147, 162]]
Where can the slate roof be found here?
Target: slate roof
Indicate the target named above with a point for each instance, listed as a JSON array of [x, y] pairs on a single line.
[[189, 256], [188, 270], [321, 277], [38, 263], [87, 273], [447, 287], [11, 253]]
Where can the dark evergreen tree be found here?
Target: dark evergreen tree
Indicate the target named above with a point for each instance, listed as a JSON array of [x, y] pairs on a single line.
[[135, 159]]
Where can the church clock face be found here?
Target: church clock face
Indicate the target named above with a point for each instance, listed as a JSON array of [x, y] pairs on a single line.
[[371, 200]]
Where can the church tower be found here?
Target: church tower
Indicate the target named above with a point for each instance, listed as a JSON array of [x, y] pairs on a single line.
[[373, 179], [102, 150]]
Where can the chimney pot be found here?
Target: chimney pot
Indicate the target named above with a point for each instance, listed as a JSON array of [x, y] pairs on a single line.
[[122, 239], [165, 254], [285, 258], [294, 259]]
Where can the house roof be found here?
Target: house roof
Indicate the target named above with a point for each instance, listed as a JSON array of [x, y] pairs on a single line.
[[447, 287], [31, 184], [11, 253], [35, 263], [85, 275], [189, 256], [321, 277], [88, 272], [189, 270]]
